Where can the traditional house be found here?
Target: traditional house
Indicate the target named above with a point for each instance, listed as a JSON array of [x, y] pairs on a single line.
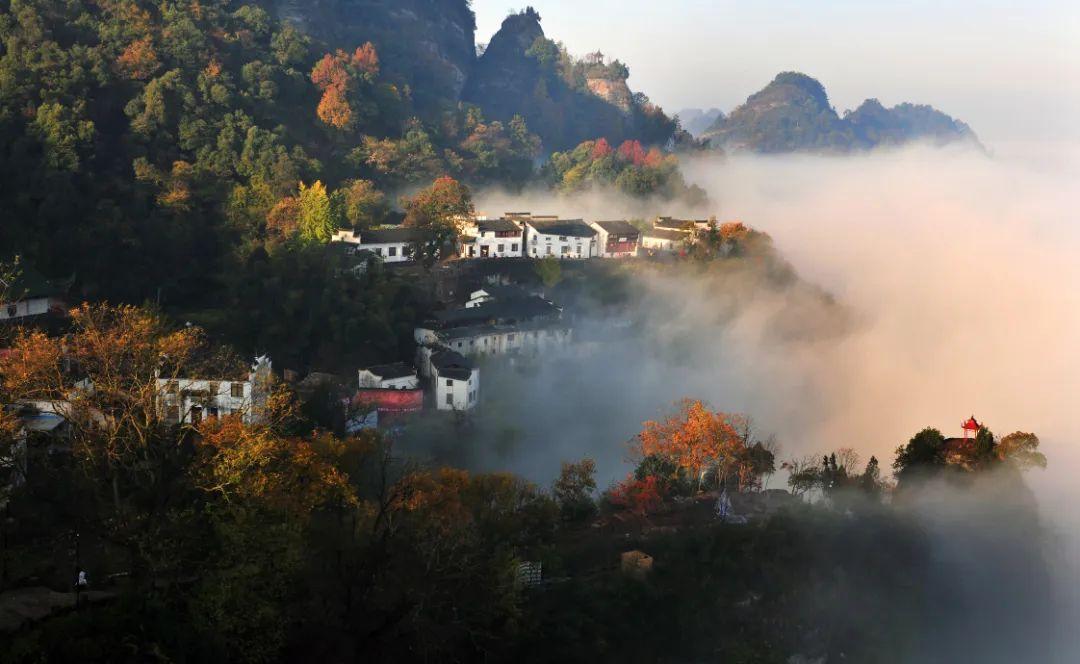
[[391, 245], [665, 240], [617, 239], [566, 238], [396, 376], [683, 225], [497, 326], [455, 380], [29, 296], [189, 400], [492, 238]]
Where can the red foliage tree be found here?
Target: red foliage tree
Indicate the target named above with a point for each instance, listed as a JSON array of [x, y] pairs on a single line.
[[601, 148], [631, 151], [642, 497]]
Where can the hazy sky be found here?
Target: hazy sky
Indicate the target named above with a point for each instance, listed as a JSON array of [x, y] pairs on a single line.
[[1010, 69]]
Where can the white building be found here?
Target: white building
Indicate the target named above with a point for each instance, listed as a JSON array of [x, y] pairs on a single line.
[[504, 339], [566, 238], [189, 400], [29, 295], [492, 238], [396, 376], [662, 239], [455, 380], [392, 245], [617, 239], [683, 225]]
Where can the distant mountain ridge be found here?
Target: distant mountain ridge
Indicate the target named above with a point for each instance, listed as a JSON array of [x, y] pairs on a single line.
[[697, 121], [792, 114]]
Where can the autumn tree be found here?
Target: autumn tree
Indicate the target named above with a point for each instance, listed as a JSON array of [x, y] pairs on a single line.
[[694, 438], [438, 212], [338, 76], [1021, 450], [139, 60]]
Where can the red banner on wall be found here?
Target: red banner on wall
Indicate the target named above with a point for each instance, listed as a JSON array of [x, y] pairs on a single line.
[[391, 401]]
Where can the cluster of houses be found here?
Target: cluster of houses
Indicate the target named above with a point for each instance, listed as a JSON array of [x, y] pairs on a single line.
[[497, 319], [525, 235]]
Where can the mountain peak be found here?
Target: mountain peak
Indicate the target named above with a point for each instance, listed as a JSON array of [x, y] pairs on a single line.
[[792, 113]]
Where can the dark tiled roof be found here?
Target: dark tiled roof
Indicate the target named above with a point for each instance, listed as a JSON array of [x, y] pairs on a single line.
[[500, 311], [619, 227], [505, 291], [393, 370], [451, 364], [565, 227], [389, 236], [665, 234], [497, 225], [29, 284]]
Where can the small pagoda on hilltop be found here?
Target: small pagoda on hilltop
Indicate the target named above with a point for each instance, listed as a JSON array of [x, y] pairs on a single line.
[[957, 449]]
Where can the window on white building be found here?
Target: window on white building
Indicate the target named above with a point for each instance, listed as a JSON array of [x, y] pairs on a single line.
[[566, 250], [500, 248], [513, 247], [378, 251], [562, 238], [391, 251], [236, 390], [449, 399], [449, 383]]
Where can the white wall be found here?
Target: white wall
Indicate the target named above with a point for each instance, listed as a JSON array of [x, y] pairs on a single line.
[[500, 342], [465, 393], [400, 251], [368, 379], [660, 244], [497, 247], [602, 237], [219, 396], [35, 306], [541, 245]]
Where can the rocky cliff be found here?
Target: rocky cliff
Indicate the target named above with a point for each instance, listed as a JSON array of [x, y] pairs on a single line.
[[563, 100]]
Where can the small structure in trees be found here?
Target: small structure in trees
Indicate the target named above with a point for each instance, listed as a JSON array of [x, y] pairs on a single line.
[[637, 564]]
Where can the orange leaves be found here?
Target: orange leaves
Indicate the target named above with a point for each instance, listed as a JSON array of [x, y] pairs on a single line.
[[31, 368], [336, 75], [257, 464], [139, 60], [734, 230], [693, 438], [366, 60], [334, 109], [283, 220]]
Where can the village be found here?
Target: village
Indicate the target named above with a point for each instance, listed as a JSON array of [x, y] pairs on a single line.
[[500, 317], [496, 317]]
